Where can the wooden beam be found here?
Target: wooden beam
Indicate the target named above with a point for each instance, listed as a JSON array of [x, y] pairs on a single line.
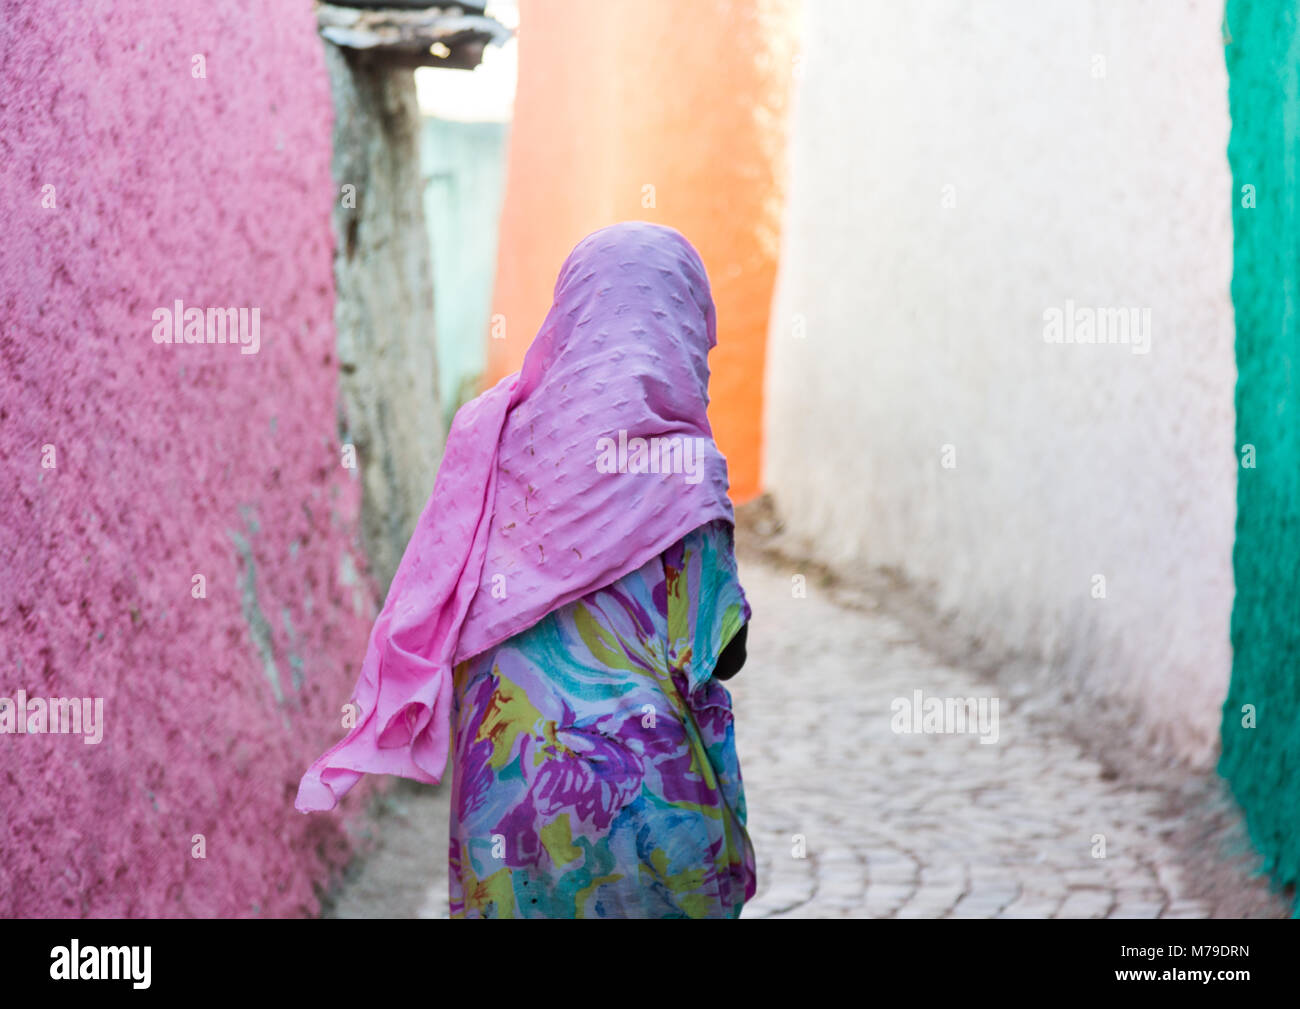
[[445, 36]]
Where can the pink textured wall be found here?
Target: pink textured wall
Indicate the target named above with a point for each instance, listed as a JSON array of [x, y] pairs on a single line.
[[171, 461]]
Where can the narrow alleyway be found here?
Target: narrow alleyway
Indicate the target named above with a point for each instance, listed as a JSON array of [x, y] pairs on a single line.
[[902, 825]]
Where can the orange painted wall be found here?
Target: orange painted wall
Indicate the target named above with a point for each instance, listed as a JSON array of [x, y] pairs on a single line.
[[687, 96]]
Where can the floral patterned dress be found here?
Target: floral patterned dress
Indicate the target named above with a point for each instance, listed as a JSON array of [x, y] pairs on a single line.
[[595, 771]]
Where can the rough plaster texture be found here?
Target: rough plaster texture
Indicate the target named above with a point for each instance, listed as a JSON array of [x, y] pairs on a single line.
[[1261, 717], [905, 322], [384, 313], [171, 460]]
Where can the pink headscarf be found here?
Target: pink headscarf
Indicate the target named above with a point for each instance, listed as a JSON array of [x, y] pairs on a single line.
[[526, 515]]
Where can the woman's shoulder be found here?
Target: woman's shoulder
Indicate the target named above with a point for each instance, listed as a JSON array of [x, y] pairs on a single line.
[[716, 536]]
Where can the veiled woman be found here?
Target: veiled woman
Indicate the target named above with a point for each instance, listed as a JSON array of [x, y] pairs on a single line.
[[565, 612]]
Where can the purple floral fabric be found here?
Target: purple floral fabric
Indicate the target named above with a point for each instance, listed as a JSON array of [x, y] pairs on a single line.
[[595, 770]]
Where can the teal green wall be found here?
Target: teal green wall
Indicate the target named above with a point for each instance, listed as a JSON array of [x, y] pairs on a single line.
[[464, 169], [1262, 764]]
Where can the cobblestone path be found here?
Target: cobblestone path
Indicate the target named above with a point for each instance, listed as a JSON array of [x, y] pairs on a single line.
[[850, 818]]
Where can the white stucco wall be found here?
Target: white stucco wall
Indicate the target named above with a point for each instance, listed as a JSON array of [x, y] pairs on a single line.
[[923, 326]]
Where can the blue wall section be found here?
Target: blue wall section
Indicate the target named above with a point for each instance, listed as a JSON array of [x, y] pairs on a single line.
[[464, 168], [1262, 763]]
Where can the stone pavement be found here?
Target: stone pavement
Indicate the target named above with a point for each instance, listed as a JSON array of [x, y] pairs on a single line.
[[852, 819]]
